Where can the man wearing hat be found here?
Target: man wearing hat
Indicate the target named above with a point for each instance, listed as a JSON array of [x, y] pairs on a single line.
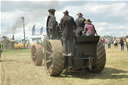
[[80, 22], [68, 26], [51, 24]]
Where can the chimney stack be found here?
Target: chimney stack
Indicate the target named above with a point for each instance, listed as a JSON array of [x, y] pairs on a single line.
[[13, 37]]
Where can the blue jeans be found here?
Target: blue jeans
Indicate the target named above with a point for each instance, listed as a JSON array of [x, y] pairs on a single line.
[[122, 47], [109, 45]]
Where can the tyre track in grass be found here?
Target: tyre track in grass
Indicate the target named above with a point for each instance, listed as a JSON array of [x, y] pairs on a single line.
[[17, 69]]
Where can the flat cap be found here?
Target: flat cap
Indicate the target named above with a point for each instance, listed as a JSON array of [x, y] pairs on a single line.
[[51, 10]]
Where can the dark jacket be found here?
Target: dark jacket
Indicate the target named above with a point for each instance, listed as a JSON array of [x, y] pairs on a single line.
[[121, 42], [67, 25], [51, 22], [80, 22]]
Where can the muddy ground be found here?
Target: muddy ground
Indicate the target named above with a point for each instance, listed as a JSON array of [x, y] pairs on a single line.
[[16, 68]]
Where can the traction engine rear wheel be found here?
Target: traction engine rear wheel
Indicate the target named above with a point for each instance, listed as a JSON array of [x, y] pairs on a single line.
[[101, 59], [54, 60]]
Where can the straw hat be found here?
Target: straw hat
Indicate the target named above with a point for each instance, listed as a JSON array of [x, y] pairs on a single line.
[[88, 21]]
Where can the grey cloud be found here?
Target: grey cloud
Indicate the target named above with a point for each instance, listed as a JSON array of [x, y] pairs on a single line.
[[32, 11], [36, 12], [27, 6], [106, 14], [110, 29]]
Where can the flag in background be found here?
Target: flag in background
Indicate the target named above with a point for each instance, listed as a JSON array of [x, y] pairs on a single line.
[[33, 30], [41, 30]]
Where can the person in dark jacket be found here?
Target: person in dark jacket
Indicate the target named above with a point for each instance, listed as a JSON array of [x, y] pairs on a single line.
[[127, 43], [1, 49], [80, 22], [68, 27], [122, 44], [51, 24]]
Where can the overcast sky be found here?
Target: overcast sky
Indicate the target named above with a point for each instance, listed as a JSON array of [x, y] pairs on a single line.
[[110, 17]]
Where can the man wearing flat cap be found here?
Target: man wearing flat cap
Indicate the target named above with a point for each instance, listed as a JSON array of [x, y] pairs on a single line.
[[68, 26], [51, 24], [80, 22]]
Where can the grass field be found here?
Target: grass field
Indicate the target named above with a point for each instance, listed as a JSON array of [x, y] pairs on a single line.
[[16, 68]]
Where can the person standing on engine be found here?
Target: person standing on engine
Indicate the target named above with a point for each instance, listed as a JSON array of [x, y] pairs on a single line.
[[51, 24], [80, 22], [89, 28], [68, 27]]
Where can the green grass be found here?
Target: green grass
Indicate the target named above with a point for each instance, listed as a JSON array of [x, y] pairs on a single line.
[[115, 72], [18, 51]]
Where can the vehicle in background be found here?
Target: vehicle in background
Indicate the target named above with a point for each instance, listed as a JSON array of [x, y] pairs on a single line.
[[19, 44]]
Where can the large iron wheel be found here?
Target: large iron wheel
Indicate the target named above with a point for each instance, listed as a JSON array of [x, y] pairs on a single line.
[[54, 60], [101, 58], [37, 54]]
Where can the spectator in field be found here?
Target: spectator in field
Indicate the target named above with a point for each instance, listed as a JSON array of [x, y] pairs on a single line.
[[1, 49], [109, 43], [115, 42], [28, 44], [103, 41], [127, 42], [89, 28], [122, 44]]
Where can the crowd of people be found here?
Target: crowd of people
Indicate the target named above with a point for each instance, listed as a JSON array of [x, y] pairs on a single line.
[[68, 29], [123, 42], [68, 26]]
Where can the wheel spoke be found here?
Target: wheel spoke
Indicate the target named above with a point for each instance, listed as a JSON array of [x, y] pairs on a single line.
[[48, 52], [48, 61], [49, 45], [53, 62], [50, 69]]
